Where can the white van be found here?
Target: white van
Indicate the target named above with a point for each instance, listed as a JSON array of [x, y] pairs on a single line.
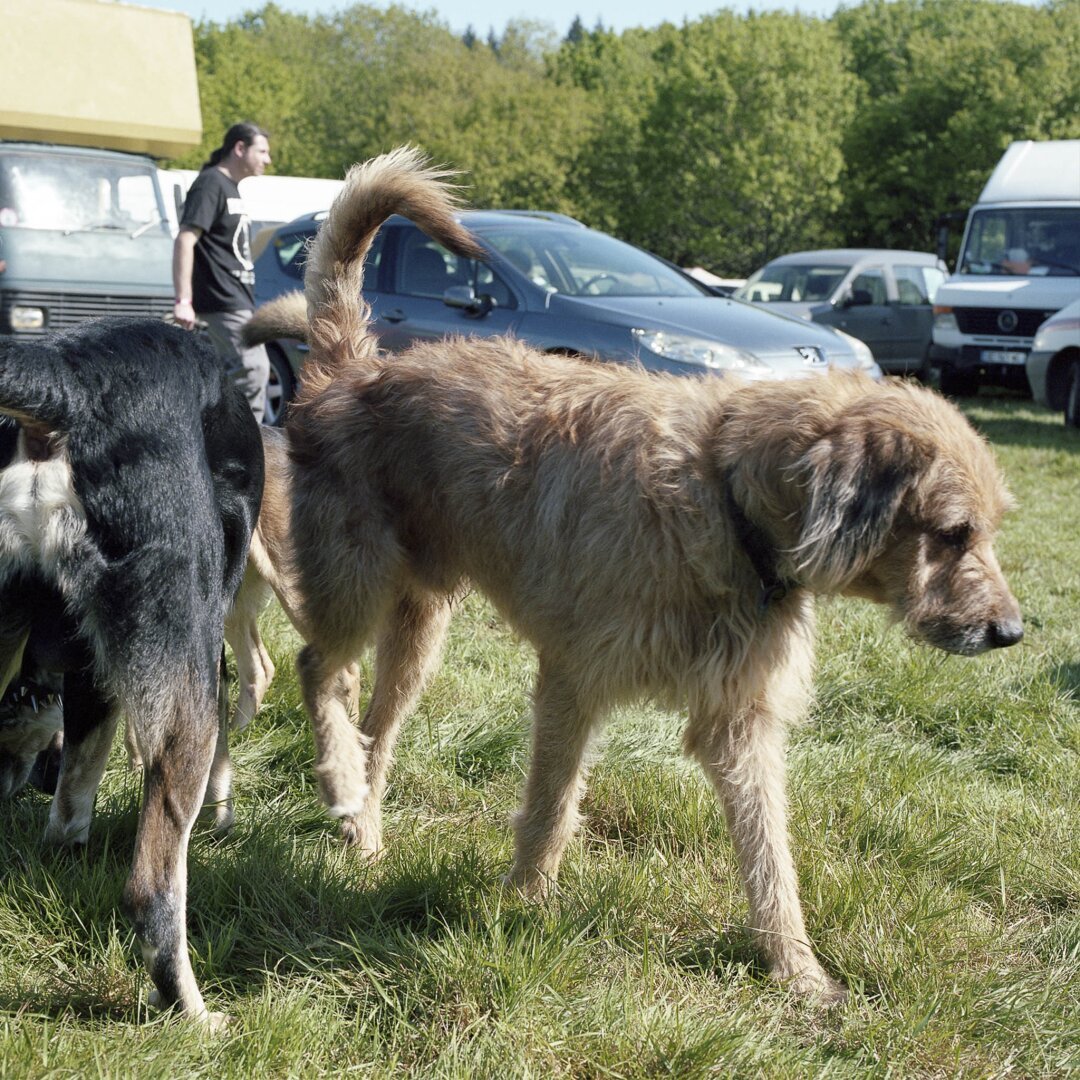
[[1019, 263]]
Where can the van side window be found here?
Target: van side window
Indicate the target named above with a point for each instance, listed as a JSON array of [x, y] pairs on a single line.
[[917, 284], [873, 282]]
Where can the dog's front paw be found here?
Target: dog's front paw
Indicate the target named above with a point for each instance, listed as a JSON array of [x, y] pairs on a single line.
[[817, 987], [529, 883], [223, 815], [69, 834], [360, 838]]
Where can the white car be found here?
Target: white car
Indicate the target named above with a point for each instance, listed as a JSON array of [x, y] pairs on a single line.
[[1053, 365]]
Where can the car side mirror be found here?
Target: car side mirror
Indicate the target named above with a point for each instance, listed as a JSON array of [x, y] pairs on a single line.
[[857, 298], [464, 299]]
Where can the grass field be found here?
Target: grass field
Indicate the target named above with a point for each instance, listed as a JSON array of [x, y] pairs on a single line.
[[935, 819]]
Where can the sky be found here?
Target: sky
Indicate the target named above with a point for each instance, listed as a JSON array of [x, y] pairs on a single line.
[[615, 15]]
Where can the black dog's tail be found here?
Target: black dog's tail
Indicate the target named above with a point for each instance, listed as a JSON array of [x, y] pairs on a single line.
[[400, 182]]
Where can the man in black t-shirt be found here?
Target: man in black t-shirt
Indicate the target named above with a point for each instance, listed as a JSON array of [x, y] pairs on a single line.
[[213, 272]]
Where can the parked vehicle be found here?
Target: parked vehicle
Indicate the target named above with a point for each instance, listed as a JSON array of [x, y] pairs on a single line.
[[884, 298], [83, 224], [1019, 263], [1053, 365], [270, 200], [563, 288]]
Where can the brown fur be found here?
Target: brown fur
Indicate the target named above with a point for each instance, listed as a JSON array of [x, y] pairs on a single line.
[[652, 536]]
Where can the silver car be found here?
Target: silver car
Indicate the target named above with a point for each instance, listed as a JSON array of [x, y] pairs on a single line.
[[885, 298], [562, 287]]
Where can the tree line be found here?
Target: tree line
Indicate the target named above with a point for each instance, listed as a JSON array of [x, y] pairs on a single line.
[[722, 142]]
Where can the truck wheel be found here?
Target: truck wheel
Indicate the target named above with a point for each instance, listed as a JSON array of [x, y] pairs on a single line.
[[958, 383], [280, 387], [1072, 395]]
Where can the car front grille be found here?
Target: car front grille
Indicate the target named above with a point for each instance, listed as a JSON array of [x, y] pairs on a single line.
[[63, 310], [989, 321]]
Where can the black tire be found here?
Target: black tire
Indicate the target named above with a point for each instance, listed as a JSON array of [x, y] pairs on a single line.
[[1072, 395], [280, 387], [958, 383]]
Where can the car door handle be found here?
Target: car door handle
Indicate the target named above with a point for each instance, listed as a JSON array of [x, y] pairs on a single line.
[[394, 315]]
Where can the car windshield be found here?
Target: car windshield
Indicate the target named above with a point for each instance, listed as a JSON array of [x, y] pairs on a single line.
[[797, 282], [580, 262], [78, 193], [1041, 241]]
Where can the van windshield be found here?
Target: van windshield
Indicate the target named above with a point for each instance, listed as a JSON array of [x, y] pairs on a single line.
[[78, 193], [1029, 240]]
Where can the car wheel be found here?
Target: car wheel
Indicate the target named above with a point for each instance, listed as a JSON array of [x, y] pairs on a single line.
[[280, 387], [1072, 395], [958, 383]]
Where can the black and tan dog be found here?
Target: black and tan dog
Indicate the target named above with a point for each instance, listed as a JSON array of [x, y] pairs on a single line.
[[130, 482]]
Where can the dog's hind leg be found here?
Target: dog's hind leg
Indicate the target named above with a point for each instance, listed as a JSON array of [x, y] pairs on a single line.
[[254, 668], [218, 796], [407, 654], [742, 751], [549, 815], [176, 764], [329, 689], [89, 723]]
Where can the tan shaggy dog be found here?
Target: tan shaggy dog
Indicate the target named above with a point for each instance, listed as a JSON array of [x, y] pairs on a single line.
[[652, 536]]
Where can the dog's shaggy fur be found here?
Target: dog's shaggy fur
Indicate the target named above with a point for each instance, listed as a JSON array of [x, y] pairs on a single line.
[[650, 535], [128, 493]]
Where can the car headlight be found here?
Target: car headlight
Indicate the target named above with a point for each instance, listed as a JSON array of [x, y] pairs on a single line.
[[701, 352], [864, 358]]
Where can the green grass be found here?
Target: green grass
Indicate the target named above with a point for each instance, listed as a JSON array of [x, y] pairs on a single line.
[[935, 817]]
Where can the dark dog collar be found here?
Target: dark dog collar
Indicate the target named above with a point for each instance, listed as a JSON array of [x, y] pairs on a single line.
[[760, 550]]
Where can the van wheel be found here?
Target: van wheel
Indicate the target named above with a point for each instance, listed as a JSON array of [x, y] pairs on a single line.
[[280, 387], [958, 383], [1072, 395]]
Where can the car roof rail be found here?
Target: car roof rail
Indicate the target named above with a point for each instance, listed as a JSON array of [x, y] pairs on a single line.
[[544, 215]]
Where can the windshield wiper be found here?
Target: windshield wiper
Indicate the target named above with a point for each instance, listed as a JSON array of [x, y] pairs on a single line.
[[146, 226]]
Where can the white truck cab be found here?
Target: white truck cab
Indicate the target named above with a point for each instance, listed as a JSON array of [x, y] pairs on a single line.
[[1019, 263]]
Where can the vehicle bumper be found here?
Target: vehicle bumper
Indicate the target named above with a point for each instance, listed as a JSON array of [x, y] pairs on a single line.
[[980, 360], [1038, 363]]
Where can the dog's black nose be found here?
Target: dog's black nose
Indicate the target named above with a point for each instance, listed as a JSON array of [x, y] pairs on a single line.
[[1006, 632]]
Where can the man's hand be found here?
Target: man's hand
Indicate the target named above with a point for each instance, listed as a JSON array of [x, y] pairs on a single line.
[[184, 314]]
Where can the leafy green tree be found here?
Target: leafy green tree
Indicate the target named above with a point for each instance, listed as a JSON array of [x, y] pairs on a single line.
[[715, 143], [946, 85]]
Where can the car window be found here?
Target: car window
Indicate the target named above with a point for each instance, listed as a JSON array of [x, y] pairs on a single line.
[[291, 251], [873, 282], [917, 284], [425, 268], [803, 282], [579, 262]]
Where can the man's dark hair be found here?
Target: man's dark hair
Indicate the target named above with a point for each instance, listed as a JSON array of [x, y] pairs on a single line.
[[245, 132]]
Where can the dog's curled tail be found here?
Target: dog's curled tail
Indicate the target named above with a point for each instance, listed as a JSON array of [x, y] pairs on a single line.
[[399, 182], [283, 317]]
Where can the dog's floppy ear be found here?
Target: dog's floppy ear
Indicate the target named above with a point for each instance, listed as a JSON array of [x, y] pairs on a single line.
[[854, 479]]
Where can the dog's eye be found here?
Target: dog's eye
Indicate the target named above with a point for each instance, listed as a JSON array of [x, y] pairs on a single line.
[[956, 537]]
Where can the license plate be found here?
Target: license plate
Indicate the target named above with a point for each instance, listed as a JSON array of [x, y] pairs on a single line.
[[998, 356]]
